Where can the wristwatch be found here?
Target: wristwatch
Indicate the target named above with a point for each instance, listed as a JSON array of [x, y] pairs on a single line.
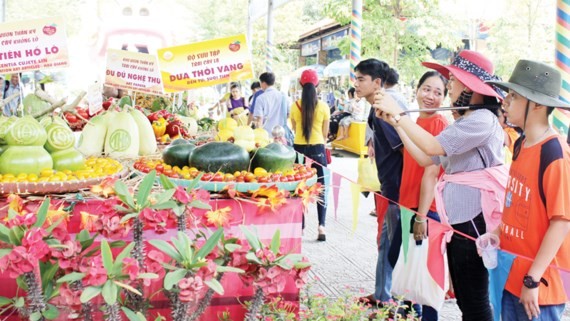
[[529, 282], [397, 117]]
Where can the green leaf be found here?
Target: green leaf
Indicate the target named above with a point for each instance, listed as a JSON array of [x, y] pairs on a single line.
[[21, 284], [232, 247], [276, 242], [148, 276], [4, 234], [117, 244], [194, 182], [251, 238], [71, 277], [19, 302], [128, 217], [200, 205], [223, 269], [302, 265], [167, 183], [124, 253], [167, 249], [48, 271], [107, 256], [293, 258], [210, 244], [35, 316], [42, 213], [130, 314], [123, 193], [165, 196], [127, 287], [51, 313], [122, 209], [85, 239], [109, 292], [54, 225], [89, 293], [5, 301], [16, 235], [251, 257], [164, 205], [215, 285], [4, 252], [172, 278], [182, 245], [144, 189]]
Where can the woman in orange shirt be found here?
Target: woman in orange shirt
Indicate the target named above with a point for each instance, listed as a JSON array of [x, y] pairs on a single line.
[[418, 183]]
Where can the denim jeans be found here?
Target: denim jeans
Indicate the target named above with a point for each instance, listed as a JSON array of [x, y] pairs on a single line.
[[513, 310], [316, 153], [469, 276], [383, 268]]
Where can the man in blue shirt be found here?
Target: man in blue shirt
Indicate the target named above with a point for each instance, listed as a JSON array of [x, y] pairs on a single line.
[[385, 146], [257, 90], [268, 111]]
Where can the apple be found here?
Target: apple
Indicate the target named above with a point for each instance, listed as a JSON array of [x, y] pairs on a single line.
[[235, 46], [49, 30]]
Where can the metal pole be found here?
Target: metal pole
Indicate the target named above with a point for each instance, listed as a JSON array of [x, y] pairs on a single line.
[[249, 24], [269, 44], [561, 118], [355, 37], [2, 10]]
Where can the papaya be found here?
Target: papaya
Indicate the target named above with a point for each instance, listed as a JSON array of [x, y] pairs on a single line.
[[220, 156], [274, 157], [178, 154]]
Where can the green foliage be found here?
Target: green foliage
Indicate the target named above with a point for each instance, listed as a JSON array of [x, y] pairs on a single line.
[[400, 32]]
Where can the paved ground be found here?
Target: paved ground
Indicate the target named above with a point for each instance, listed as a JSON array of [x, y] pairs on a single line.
[[347, 260]]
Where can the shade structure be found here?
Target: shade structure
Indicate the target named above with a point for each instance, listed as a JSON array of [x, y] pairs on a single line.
[[319, 68], [337, 68]]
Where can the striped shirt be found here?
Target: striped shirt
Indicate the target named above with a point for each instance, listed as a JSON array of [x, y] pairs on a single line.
[[471, 143]]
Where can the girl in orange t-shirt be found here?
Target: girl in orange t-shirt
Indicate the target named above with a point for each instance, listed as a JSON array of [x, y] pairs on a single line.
[[418, 183]]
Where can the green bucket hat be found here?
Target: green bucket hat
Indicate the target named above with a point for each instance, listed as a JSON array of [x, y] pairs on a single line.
[[536, 81]]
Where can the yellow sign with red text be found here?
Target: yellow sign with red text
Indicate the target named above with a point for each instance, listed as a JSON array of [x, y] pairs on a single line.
[[33, 45], [205, 63]]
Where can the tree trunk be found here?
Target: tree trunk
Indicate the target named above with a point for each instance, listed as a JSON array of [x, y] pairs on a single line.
[[256, 305]]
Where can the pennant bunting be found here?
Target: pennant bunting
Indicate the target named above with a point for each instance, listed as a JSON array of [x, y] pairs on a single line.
[[355, 189], [336, 191], [327, 176], [497, 280], [405, 218]]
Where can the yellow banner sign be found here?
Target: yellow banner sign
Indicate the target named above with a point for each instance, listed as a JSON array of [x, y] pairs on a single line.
[[205, 63], [33, 45], [133, 71]]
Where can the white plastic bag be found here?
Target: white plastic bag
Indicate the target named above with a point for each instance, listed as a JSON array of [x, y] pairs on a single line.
[[412, 280]]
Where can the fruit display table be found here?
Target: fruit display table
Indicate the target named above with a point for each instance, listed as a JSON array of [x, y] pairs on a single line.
[[287, 219]]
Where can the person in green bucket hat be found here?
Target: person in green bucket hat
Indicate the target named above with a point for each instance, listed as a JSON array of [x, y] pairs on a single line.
[[536, 215]]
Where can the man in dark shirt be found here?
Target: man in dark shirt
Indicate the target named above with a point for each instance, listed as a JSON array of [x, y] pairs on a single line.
[[385, 146]]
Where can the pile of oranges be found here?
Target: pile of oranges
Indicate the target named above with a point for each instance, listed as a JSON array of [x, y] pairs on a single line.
[[259, 175]]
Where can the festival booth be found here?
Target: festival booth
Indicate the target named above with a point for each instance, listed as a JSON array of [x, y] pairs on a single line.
[[153, 211]]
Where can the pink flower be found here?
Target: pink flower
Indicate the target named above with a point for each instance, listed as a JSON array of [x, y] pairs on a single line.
[[34, 243], [155, 219], [96, 273], [18, 262], [23, 219], [60, 233], [68, 255], [208, 272], [131, 267], [192, 289], [112, 227], [201, 195], [181, 196], [67, 298]]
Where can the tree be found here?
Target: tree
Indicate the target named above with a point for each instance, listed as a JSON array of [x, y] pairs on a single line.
[[401, 32], [524, 31]]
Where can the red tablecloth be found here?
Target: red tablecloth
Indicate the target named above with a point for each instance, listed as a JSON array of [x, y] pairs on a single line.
[[287, 219]]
